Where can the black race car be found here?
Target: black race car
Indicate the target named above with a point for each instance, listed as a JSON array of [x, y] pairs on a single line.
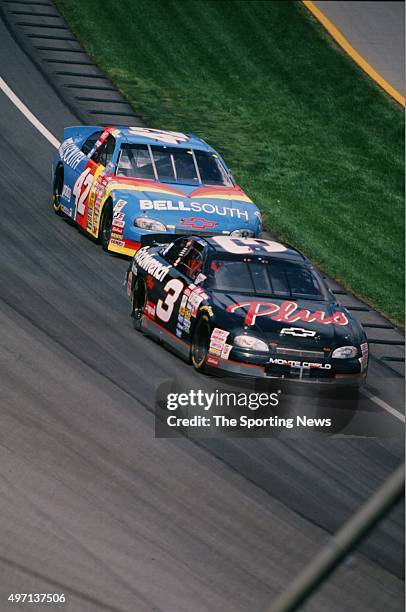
[[246, 306]]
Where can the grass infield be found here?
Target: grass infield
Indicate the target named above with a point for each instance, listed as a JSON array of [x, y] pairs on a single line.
[[312, 140]]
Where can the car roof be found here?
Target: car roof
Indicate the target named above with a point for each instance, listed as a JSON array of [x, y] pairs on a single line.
[[259, 246], [152, 136]]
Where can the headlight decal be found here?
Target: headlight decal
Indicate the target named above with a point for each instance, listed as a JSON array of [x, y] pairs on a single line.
[[250, 342], [345, 352], [242, 233], [149, 224]]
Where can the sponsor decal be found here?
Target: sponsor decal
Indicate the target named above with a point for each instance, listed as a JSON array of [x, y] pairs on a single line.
[[148, 263], [70, 154], [149, 310], [219, 334], [287, 312], [118, 216], [67, 211], [191, 299], [212, 361], [118, 243], [200, 291], [217, 341], [198, 223], [306, 365], [119, 205], [297, 331], [185, 314], [207, 208], [194, 302], [364, 359], [226, 351], [200, 278], [66, 192], [118, 223]]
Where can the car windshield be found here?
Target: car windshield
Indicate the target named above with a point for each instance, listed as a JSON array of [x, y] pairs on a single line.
[[171, 164], [266, 277]]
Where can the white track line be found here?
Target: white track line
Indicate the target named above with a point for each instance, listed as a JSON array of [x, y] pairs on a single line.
[[379, 402], [54, 142], [28, 114]]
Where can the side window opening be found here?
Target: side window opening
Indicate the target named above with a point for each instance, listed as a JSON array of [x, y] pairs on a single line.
[[91, 141], [104, 153], [135, 162], [172, 252], [191, 263]]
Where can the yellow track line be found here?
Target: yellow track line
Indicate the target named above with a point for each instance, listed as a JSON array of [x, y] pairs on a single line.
[[344, 44]]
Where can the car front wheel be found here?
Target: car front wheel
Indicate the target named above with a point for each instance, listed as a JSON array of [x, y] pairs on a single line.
[[57, 192], [106, 225], [138, 300], [200, 342]]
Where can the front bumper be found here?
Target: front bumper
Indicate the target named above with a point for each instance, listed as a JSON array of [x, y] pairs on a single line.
[[347, 373]]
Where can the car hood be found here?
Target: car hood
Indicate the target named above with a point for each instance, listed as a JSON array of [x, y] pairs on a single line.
[[187, 207], [303, 323]]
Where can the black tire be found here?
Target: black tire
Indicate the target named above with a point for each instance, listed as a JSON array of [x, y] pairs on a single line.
[[57, 191], [138, 301], [200, 342], [106, 225]]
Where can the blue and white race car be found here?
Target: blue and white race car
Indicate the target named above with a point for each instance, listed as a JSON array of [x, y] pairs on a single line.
[[130, 186]]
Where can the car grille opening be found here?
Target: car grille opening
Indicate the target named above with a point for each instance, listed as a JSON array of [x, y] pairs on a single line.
[[297, 373], [286, 350], [195, 232]]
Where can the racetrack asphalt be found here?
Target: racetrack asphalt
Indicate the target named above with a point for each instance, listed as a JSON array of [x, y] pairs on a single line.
[[92, 504]]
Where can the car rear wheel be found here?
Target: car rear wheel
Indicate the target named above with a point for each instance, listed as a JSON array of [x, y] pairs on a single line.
[[200, 342], [57, 192], [138, 300], [106, 225]]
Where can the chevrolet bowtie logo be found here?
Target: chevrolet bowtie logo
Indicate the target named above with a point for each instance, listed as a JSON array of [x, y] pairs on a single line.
[[198, 223], [297, 331]]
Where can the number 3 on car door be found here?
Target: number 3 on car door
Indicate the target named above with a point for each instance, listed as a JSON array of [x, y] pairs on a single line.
[[164, 308]]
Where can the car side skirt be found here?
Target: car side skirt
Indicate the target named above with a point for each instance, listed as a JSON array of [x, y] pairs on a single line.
[[155, 329]]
